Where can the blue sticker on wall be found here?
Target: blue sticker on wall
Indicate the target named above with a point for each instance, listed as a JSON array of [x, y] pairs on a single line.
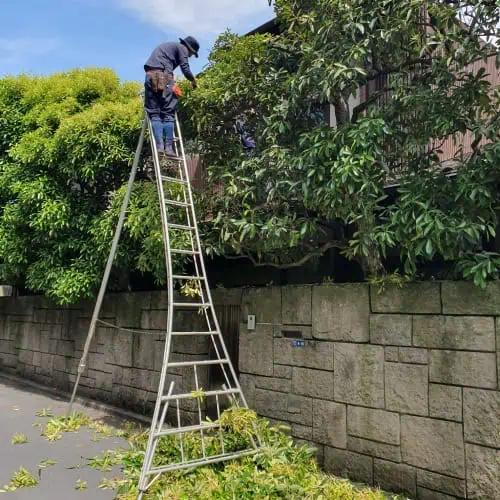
[[298, 343]]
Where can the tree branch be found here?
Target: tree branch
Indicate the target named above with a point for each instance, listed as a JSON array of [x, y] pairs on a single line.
[[361, 107], [299, 263]]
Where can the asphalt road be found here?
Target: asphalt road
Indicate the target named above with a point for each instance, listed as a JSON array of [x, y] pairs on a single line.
[[18, 407]]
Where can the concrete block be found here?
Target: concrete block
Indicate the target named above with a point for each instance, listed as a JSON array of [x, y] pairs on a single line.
[[282, 371], [467, 333], [155, 319], [302, 432], [47, 363], [434, 445], [445, 401], [483, 472], [143, 353], [98, 362], [425, 494], [37, 359], [413, 298], [482, 417], [25, 356], [314, 354], [498, 349], [376, 425], [474, 369], [256, 350], [227, 296], [341, 312], [374, 449], [299, 409], [398, 478], [296, 305], [359, 374], [129, 308], [406, 388], [103, 381], [391, 354], [273, 384], [329, 423], [159, 299], [65, 347], [463, 297], [443, 484], [247, 383], [120, 350], [284, 407], [265, 303], [413, 355], [390, 329], [315, 383], [110, 305], [348, 464]]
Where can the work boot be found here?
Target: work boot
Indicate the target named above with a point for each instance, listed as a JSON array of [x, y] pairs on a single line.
[[169, 150]]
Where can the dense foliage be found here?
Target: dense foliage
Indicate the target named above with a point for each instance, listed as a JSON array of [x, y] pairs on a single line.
[[310, 186], [67, 142], [66, 148], [281, 470]]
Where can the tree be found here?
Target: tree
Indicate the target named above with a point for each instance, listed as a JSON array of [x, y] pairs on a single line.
[[311, 187], [66, 149], [67, 142]]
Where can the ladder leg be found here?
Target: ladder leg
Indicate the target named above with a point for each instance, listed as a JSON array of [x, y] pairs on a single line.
[[109, 265]]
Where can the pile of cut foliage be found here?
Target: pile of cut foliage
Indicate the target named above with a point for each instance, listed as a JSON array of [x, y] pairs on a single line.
[[281, 470]]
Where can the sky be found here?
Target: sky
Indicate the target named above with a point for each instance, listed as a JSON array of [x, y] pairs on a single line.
[[44, 36]]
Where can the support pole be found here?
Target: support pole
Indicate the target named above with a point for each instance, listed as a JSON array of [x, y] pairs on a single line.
[[109, 265]]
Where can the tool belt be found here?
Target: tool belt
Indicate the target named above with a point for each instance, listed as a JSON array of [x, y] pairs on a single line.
[[159, 80]]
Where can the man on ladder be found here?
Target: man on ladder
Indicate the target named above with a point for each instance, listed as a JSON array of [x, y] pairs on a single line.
[[160, 100]]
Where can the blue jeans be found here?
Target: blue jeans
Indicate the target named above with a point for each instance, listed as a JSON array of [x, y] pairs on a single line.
[[161, 107]]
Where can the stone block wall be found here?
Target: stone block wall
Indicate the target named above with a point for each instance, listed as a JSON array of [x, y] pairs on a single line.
[[44, 342], [398, 389]]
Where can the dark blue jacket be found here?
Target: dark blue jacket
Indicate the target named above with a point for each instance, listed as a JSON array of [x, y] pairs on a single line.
[[168, 56], [247, 140]]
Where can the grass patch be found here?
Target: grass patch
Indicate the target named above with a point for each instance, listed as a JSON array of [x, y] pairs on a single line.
[[81, 485], [18, 438], [281, 471], [21, 479], [55, 427], [45, 412]]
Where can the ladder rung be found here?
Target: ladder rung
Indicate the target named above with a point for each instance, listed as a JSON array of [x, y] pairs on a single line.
[[189, 395], [202, 461], [173, 179], [180, 226], [191, 304], [171, 158], [187, 334], [180, 277], [187, 428], [175, 203], [205, 362], [184, 252]]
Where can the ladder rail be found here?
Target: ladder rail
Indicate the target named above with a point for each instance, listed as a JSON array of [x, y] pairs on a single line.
[[109, 263], [204, 273], [151, 446]]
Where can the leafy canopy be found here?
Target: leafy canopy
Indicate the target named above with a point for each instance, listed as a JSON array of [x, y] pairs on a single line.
[[67, 142], [312, 186], [66, 149]]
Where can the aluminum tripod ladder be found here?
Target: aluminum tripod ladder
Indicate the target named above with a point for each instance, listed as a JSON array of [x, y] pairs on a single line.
[[176, 180]]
